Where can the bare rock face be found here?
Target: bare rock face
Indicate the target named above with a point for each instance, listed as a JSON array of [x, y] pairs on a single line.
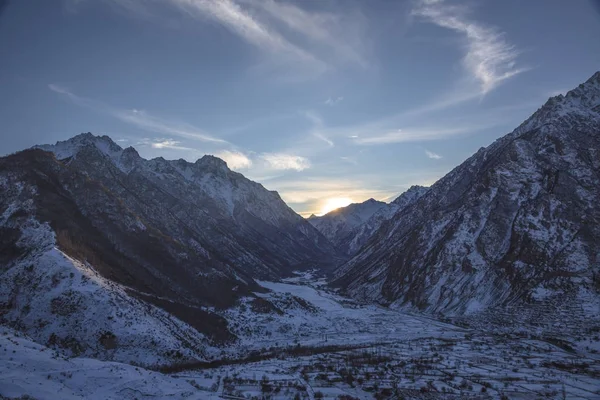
[[516, 223]]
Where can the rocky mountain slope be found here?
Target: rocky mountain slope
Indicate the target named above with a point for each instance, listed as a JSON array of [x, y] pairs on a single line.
[[93, 237], [517, 223], [413, 194], [350, 227]]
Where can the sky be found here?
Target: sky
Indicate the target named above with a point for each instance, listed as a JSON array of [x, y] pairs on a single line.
[[326, 101]]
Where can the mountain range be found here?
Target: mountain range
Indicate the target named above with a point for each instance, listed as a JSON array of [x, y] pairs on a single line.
[[99, 245]]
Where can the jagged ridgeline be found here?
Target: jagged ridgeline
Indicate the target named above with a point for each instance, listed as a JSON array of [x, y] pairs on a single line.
[[182, 236]]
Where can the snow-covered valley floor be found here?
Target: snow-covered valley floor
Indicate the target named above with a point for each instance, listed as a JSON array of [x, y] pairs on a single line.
[[313, 343]]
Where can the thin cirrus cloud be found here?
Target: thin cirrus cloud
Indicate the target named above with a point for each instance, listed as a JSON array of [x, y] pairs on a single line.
[[349, 160], [282, 161], [247, 27], [160, 144], [411, 135], [167, 144], [292, 37], [332, 101], [490, 59], [432, 155], [140, 119], [146, 121], [322, 28], [383, 131], [323, 138], [317, 128]]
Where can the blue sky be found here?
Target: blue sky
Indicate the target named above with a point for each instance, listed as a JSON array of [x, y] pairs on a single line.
[[319, 100]]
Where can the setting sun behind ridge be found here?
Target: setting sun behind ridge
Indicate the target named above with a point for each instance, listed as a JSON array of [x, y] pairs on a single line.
[[334, 203]]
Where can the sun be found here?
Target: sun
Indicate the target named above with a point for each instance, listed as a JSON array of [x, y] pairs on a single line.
[[334, 203]]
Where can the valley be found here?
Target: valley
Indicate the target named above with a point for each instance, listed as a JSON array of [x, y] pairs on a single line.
[[299, 200], [328, 346]]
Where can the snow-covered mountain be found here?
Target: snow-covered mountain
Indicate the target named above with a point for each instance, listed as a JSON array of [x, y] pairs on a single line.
[[517, 223], [336, 225], [350, 227], [93, 237]]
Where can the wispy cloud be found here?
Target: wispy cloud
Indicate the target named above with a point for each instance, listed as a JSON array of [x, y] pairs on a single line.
[[145, 120], [60, 89], [163, 143], [432, 155], [385, 130], [297, 41], [411, 135], [285, 161], [324, 138], [139, 118], [235, 159], [334, 100], [242, 23], [316, 130], [325, 29], [169, 144], [349, 160], [314, 118], [490, 58]]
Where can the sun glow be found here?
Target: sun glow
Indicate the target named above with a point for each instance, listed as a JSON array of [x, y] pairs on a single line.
[[334, 203]]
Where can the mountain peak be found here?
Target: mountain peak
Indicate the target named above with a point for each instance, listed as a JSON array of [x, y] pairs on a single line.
[[584, 100], [594, 78], [212, 162], [416, 187], [131, 150], [88, 135], [588, 92], [70, 147], [129, 158], [90, 138]]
